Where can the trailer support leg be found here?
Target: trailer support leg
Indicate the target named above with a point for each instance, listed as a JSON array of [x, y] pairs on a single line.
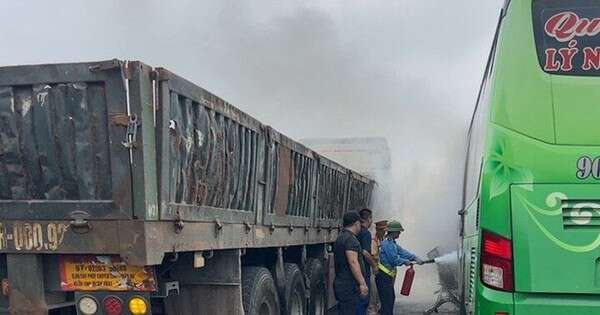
[[25, 274]]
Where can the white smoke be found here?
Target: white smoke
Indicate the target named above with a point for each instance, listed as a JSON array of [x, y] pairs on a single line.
[[405, 70]]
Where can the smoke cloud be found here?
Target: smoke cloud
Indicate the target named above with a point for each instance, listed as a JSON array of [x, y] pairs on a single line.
[[405, 70]]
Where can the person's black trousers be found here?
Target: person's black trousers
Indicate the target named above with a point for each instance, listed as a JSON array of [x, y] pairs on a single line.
[[347, 307], [363, 302], [387, 295], [348, 298]]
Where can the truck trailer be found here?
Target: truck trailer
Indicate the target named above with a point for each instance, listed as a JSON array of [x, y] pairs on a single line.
[[370, 156], [128, 190]]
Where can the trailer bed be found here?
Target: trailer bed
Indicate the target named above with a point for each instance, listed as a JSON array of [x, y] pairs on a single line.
[[121, 158]]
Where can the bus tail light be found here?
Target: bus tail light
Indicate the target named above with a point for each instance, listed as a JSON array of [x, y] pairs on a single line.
[[497, 262]]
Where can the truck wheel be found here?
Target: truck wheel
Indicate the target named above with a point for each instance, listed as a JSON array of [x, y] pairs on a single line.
[[318, 291], [259, 295], [295, 292]]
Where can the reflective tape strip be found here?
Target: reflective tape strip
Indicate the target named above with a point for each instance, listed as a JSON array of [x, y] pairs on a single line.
[[391, 273]]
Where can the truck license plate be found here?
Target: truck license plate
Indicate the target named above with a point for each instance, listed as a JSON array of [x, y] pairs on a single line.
[[24, 236]]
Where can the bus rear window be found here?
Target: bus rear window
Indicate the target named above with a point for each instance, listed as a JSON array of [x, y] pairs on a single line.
[[567, 36]]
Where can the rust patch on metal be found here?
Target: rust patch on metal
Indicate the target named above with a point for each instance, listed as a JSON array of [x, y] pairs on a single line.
[[54, 139], [120, 119], [285, 173]]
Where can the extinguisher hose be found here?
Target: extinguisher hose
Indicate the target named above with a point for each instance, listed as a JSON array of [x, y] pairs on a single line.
[[425, 262]]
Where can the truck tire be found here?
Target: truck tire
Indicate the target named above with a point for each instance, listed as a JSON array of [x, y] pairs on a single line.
[[318, 288], [259, 294], [294, 297]]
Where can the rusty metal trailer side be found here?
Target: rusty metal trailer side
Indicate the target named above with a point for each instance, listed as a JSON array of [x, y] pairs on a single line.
[[119, 158], [69, 131], [240, 183]]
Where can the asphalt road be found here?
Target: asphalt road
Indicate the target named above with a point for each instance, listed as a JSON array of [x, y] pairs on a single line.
[[418, 309], [414, 309], [422, 296]]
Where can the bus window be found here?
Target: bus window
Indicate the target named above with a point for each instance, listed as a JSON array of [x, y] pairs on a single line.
[[477, 135], [567, 36], [478, 122], [474, 157]]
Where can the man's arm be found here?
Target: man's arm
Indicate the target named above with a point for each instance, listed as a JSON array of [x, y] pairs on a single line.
[[370, 259], [393, 254], [352, 258], [397, 256], [365, 242], [403, 253]]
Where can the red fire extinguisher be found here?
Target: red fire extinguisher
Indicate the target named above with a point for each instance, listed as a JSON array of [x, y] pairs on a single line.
[[409, 276]]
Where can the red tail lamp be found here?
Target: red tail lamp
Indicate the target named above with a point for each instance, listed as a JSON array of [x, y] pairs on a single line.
[[113, 305], [497, 263]]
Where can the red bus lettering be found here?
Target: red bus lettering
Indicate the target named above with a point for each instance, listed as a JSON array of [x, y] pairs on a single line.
[[567, 55], [565, 26], [562, 26], [551, 63], [591, 58]]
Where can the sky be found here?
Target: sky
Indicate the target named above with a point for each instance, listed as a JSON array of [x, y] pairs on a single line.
[[405, 70]]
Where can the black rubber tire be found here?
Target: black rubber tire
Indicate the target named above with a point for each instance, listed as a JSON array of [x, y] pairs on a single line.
[[315, 273], [259, 294], [294, 297]]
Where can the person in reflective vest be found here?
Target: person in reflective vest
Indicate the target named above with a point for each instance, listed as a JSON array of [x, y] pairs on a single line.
[[374, 304], [391, 255]]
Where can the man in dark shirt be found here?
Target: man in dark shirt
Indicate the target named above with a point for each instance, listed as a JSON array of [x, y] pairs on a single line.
[[364, 238], [349, 285]]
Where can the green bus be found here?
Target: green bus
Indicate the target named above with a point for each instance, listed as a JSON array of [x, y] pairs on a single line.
[[530, 232]]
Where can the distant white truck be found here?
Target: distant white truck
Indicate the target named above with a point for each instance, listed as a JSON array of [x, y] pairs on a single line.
[[371, 157]]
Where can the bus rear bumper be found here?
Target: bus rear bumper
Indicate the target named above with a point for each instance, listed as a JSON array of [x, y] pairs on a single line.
[[491, 301], [556, 304]]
